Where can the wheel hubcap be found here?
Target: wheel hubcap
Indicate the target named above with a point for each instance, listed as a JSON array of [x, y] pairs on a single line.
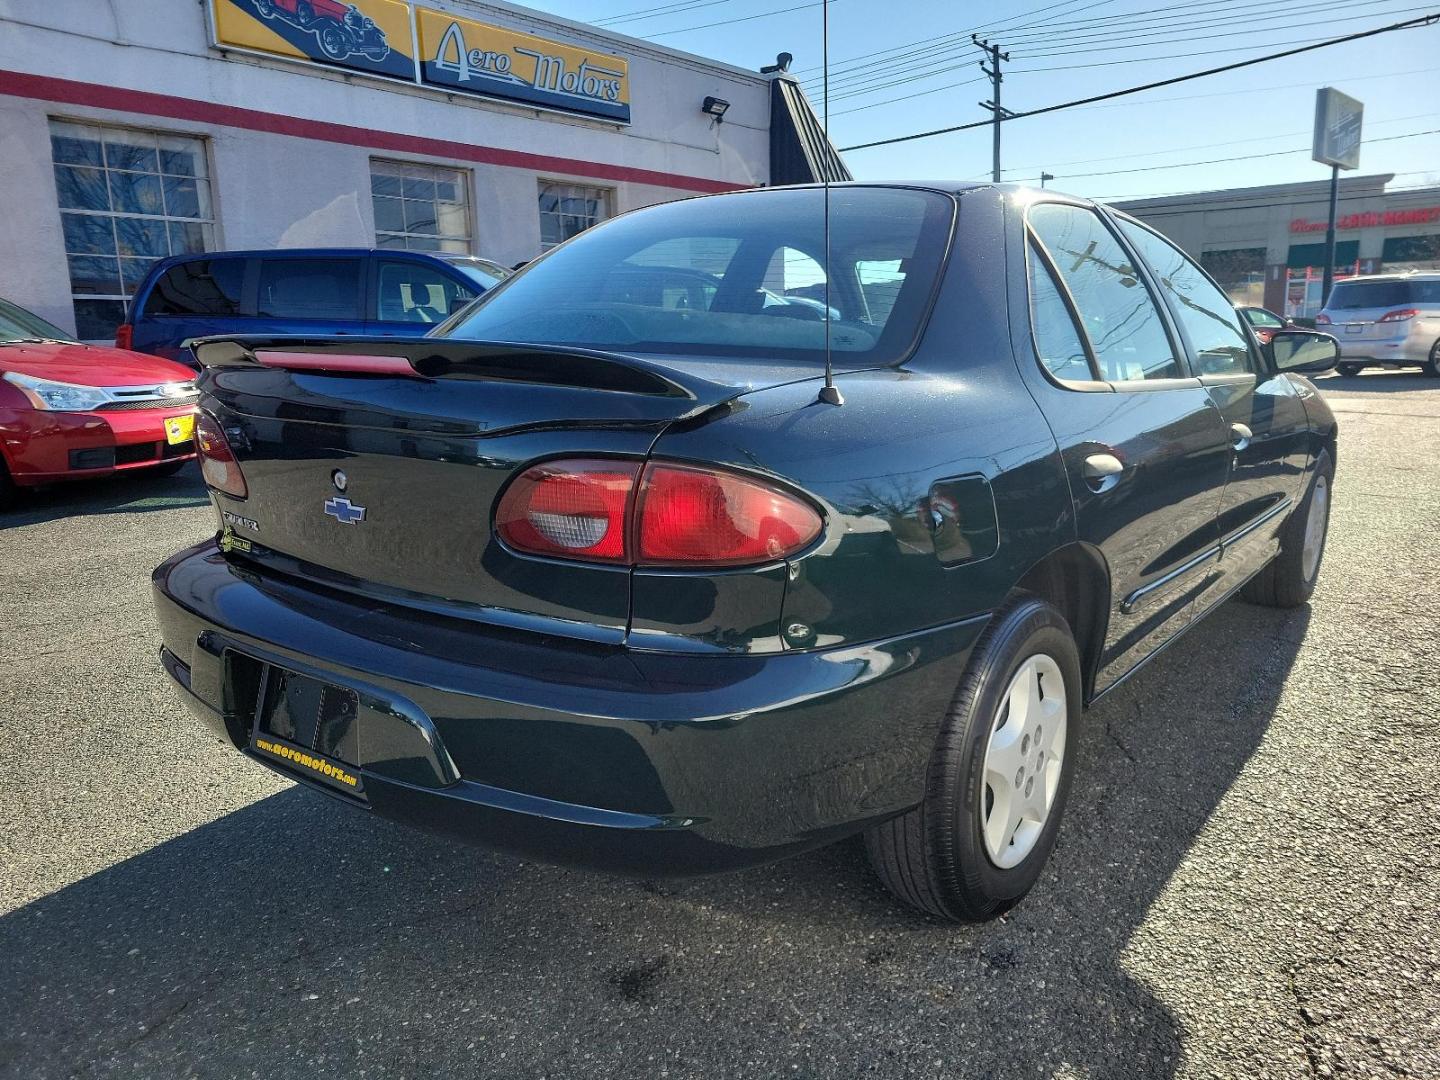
[[1315, 527], [1023, 760]]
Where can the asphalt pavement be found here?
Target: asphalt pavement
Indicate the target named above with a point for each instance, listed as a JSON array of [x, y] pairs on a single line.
[[1247, 883]]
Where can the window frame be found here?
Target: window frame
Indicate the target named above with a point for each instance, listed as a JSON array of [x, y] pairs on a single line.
[[541, 182], [1178, 347], [465, 183], [210, 225], [1258, 358]]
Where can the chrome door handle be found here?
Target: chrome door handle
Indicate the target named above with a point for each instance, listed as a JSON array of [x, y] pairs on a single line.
[[1102, 472], [1240, 436]]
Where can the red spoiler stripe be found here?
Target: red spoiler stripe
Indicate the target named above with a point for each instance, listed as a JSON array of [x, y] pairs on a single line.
[[311, 361]]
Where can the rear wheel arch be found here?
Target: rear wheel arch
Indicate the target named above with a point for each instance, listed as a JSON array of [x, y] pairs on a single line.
[[1075, 580]]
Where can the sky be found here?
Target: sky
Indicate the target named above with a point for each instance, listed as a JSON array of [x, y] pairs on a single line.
[[895, 66]]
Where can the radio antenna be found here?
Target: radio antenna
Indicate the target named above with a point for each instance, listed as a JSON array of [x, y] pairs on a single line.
[[829, 393]]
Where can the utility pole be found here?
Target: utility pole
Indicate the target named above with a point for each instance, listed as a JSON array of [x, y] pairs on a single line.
[[1329, 278], [1046, 176], [994, 107]]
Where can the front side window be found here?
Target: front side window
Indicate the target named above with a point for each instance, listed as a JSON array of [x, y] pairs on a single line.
[[1116, 310], [127, 198], [734, 275], [1262, 318], [1210, 320], [326, 289], [567, 210], [420, 207], [410, 292]]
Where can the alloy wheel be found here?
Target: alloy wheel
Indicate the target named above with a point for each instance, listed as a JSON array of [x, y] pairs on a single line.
[[1024, 758]]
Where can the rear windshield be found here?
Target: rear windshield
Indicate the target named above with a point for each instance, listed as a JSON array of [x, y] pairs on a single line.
[[198, 287], [1349, 295], [741, 274], [17, 324]]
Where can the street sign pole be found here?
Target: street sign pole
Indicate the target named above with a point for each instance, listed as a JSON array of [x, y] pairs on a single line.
[[1329, 278]]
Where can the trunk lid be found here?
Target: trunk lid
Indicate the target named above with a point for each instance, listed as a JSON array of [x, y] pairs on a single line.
[[374, 465]]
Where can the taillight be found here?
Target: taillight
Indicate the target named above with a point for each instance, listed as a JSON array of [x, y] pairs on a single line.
[[664, 515], [217, 461], [1399, 315], [571, 509], [125, 336], [689, 516], [1322, 319]]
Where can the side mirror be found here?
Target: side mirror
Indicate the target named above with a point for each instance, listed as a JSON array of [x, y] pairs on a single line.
[[1305, 352]]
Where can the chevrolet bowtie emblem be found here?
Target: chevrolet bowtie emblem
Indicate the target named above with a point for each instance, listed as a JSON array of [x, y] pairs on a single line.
[[344, 511]]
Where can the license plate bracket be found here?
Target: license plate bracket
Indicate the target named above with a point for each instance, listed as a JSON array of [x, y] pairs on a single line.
[[310, 727]]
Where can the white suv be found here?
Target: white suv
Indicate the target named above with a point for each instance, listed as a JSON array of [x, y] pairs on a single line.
[[1391, 319]]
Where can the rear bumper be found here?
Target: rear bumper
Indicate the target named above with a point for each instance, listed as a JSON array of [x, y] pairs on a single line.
[[600, 756], [1412, 346]]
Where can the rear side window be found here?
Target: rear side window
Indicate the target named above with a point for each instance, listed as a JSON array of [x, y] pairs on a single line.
[[744, 274], [309, 289], [1210, 320], [1056, 338], [1351, 295], [412, 292], [1116, 310], [199, 287], [1261, 317]]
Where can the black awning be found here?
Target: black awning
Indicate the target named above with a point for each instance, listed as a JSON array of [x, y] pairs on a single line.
[[800, 153]]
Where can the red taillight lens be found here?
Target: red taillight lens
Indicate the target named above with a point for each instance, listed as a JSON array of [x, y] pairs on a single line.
[[1322, 319], [690, 516], [125, 336], [1399, 315], [570, 509], [217, 461], [671, 515]]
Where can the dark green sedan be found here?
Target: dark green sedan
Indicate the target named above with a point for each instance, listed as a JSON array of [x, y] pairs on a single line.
[[718, 534]]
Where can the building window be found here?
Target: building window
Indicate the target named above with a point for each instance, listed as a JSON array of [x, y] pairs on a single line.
[[127, 198], [420, 207], [1411, 253], [567, 210]]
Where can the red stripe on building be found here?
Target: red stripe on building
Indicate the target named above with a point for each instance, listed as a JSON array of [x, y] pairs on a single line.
[[70, 92]]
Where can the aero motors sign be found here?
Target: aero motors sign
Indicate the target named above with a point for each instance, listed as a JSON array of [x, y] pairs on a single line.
[[458, 54], [395, 39]]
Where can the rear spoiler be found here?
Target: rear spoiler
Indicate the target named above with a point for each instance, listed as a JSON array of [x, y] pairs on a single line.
[[427, 358]]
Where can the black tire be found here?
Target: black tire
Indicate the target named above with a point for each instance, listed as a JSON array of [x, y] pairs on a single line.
[[1350, 370], [934, 857], [1284, 582], [1431, 367], [304, 14], [8, 490]]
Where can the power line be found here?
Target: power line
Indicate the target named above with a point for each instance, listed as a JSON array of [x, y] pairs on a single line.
[[1224, 160], [907, 97], [1406, 25], [1240, 203], [657, 12], [743, 18]]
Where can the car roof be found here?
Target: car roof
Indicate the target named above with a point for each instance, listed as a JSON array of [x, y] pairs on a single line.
[[1411, 275]]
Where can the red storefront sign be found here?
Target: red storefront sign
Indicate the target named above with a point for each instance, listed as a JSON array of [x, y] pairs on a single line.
[[1422, 215]]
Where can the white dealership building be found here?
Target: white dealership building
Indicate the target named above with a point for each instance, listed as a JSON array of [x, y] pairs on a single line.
[[131, 131]]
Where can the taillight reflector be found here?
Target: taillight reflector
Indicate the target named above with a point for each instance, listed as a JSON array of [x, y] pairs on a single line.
[[217, 461], [666, 515], [1399, 315], [1322, 319]]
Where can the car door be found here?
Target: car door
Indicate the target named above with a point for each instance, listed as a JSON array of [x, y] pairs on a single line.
[[1262, 410], [1144, 447], [309, 294], [409, 297]]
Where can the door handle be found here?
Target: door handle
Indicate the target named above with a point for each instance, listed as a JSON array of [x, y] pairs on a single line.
[[1240, 436], [1102, 472]]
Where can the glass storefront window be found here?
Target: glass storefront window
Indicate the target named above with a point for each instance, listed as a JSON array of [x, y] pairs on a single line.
[[420, 207], [569, 209], [127, 198]]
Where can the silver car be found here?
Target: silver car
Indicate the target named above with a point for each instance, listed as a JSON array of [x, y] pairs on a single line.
[[1389, 319]]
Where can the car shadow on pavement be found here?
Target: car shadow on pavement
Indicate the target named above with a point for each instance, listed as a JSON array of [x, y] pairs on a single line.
[[128, 493], [296, 937], [1379, 381]]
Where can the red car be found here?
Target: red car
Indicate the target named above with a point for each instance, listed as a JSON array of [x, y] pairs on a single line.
[[70, 411]]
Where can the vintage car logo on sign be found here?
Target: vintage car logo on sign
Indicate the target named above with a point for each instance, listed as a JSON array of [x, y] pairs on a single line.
[[344, 511]]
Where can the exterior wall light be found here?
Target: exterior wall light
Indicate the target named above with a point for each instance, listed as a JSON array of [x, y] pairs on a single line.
[[716, 107]]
